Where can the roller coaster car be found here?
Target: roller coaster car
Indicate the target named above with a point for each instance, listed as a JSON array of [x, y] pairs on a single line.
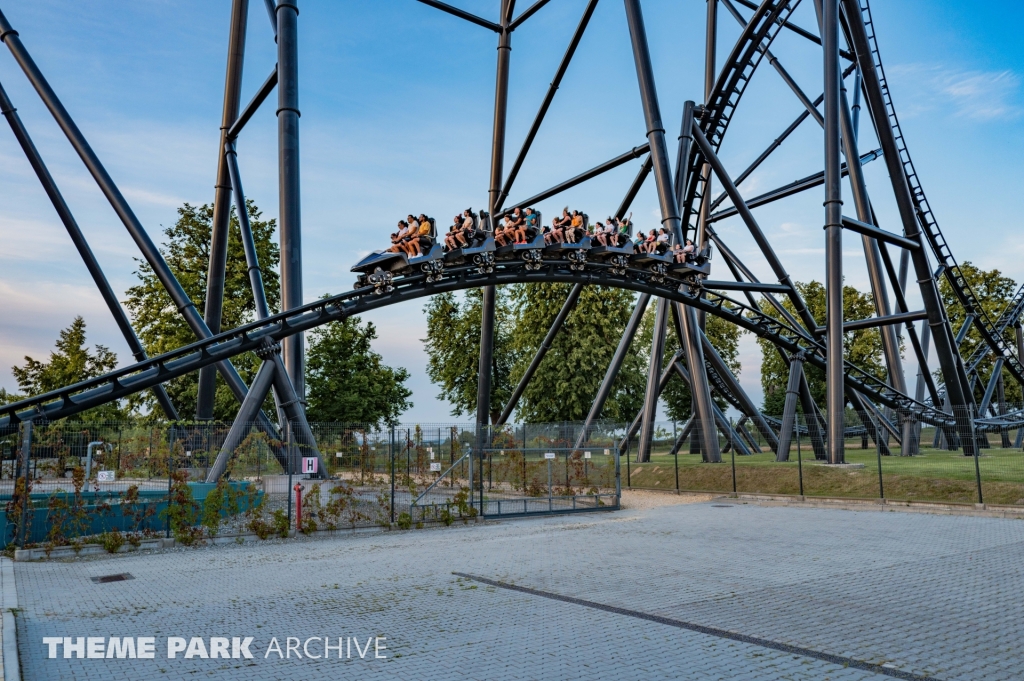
[[600, 252], [480, 223], [652, 258], [582, 244], [534, 244], [701, 263], [400, 263]]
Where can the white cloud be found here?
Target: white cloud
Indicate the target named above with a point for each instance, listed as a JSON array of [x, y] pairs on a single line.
[[982, 95], [974, 94]]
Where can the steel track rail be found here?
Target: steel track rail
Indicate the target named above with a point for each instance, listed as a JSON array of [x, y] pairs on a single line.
[[382, 291], [1011, 313], [957, 281], [764, 25]]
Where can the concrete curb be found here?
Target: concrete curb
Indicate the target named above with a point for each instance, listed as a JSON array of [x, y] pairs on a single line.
[[934, 508], [10, 667]]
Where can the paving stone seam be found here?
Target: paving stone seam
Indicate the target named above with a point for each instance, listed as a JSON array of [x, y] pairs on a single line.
[[711, 631]]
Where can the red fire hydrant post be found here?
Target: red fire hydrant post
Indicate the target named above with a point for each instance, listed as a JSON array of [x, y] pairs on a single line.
[[298, 507]]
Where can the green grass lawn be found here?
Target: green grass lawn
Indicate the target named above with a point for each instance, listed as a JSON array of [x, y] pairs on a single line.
[[934, 475]]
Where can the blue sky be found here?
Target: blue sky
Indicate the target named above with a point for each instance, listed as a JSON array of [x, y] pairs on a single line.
[[396, 104]]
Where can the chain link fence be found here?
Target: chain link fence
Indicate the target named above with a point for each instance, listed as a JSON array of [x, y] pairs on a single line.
[[124, 483], [117, 483]]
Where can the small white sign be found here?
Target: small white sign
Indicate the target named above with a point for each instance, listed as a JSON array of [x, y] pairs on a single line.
[[105, 476], [188, 453], [435, 467], [338, 454], [586, 455], [607, 452], [309, 464], [549, 455]]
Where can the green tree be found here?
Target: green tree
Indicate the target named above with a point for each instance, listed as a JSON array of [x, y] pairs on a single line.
[[453, 346], [347, 382], [564, 386], [994, 291], [863, 348], [70, 362], [158, 323]]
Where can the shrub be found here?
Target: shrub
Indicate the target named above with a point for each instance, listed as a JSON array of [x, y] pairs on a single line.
[[182, 511], [280, 523], [220, 502], [404, 521], [112, 541]]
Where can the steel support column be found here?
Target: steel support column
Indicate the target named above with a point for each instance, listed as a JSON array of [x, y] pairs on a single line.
[[483, 392], [990, 389], [789, 424], [720, 421], [945, 349], [872, 258], [244, 420], [291, 405], [652, 393], [710, 75], [222, 201], [813, 420], [700, 391], [290, 221], [669, 213], [652, 118], [1004, 434], [836, 397]]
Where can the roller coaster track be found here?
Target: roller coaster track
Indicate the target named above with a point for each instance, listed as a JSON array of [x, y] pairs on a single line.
[[1009, 316], [765, 24], [382, 290], [989, 331]]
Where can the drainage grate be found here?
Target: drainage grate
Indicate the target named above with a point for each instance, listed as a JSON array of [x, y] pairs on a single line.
[[112, 578], [721, 505]]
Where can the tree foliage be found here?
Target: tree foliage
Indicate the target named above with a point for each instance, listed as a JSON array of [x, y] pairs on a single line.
[[567, 380], [160, 326], [994, 291], [863, 347], [347, 382], [453, 346], [71, 361]]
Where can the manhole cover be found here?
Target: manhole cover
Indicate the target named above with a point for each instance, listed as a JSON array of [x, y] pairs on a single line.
[[721, 505], [112, 578]]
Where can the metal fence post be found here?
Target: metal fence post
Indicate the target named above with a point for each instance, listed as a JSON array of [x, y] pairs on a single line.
[[618, 478], [977, 469], [290, 457], [675, 454], [878, 454], [799, 458], [391, 455], [26, 453], [732, 452], [629, 477], [550, 503], [170, 470]]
